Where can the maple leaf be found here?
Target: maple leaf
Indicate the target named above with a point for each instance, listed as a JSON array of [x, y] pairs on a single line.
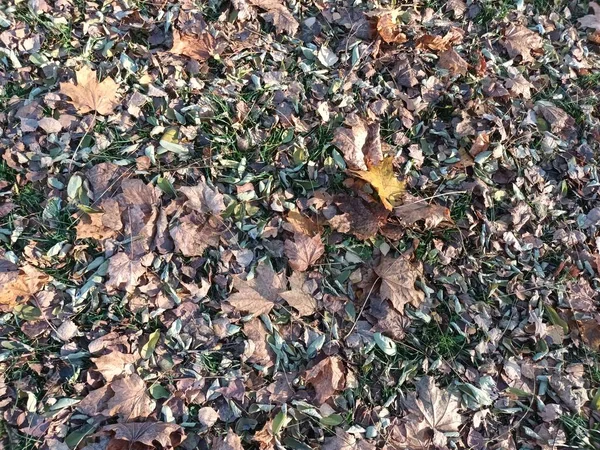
[[89, 95], [113, 364], [19, 283], [279, 15], [398, 277], [384, 181], [327, 377], [168, 435], [130, 399], [433, 409], [453, 62], [519, 40], [389, 28], [202, 198], [358, 218], [303, 251], [304, 303], [230, 441], [303, 224], [591, 20], [248, 299], [360, 144], [194, 234], [124, 273], [199, 48]]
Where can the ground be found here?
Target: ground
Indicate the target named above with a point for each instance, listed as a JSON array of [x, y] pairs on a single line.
[[290, 224]]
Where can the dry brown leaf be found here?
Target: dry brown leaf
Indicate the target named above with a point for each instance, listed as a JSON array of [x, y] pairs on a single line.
[[519, 40], [413, 210], [589, 329], [303, 251], [327, 377], [440, 43], [480, 144], [384, 181], [398, 277], [303, 224], [199, 48], [94, 403], [113, 364], [360, 144], [168, 435], [433, 409], [130, 399], [346, 441], [204, 199], [591, 20], [264, 437], [453, 62], [279, 15], [304, 303], [358, 218], [261, 353], [389, 28], [267, 282], [102, 225], [124, 273], [231, 441], [194, 234], [248, 299], [89, 95], [19, 283], [207, 416]]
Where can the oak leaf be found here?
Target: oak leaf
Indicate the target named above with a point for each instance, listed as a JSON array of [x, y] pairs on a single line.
[[519, 40], [89, 95], [199, 48], [389, 28], [130, 399], [230, 441], [303, 251], [124, 273], [19, 283], [168, 435], [398, 277], [327, 377], [384, 181], [591, 20]]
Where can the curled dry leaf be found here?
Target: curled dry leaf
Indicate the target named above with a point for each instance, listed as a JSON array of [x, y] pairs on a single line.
[[327, 378], [591, 20], [389, 27], [168, 435], [440, 43], [89, 95], [303, 251], [480, 144], [384, 181], [519, 40], [199, 48], [398, 277], [19, 283]]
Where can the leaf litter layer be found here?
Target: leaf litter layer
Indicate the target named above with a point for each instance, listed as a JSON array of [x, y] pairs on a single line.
[[271, 224]]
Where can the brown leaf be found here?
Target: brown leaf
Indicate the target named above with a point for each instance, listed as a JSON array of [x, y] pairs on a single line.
[[358, 218], [279, 15], [303, 224], [19, 283], [130, 399], [262, 353], [267, 282], [591, 20], [346, 441], [398, 277], [265, 437], [589, 329], [519, 40], [168, 435], [480, 144], [104, 179], [101, 225], [113, 364], [194, 234], [453, 62], [413, 210], [327, 377], [248, 299], [360, 144], [207, 416], [435, 410], [124, 273], [94, 403], [203, 199], [303, 251], [231, 441], [304, 303], [389, 28], [89, 95], [199, 48]]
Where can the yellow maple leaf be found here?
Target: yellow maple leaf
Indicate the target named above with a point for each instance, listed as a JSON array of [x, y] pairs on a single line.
[[89, 95], [384, 181]]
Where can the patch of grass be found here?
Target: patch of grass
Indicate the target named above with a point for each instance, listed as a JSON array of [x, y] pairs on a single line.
[[493, 11], [589, 81], [579, 434], [440, 340], [460, 206]]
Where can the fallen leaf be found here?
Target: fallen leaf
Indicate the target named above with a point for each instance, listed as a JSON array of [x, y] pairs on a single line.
[[327, 377], [113, 364], [19, 283], [279, 15], [130, 399], [199, 48], [248, 299], [202, 198], [413, 210], [303, 224], [519, 40], [168, 435], [124, 273], [207, 416], [440, 43], [267, 282], [194, 234], [303, 251], [104, 224], [360, 144], [304, 303], [89, 95], [346, 441], [480, 144], [384, 181], [264, 437], [327, 57], [591, 20], [433, 409], [589, 329], [453, 62], [389, 27], [260, 351], [231, 441], [398, 277], [358, 218]]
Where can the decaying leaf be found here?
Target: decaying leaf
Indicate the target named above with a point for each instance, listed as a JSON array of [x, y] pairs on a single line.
[[114, 364], [124, 273], [304, 303], [398, 277], [195, 233], [440, 43], [19, 283], [453, 62], [303, 251], [414, 210], [303, 224], [279, 15], [168, 435], [230, 441], [247, 299], [260, 351], [327, 378], [360, 144], [357, 217], [202, 198], [591, 20], [384, 181], [199, 48], [389, 27], [521, 41], [480, 144], [130, 399], [89, 95]]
